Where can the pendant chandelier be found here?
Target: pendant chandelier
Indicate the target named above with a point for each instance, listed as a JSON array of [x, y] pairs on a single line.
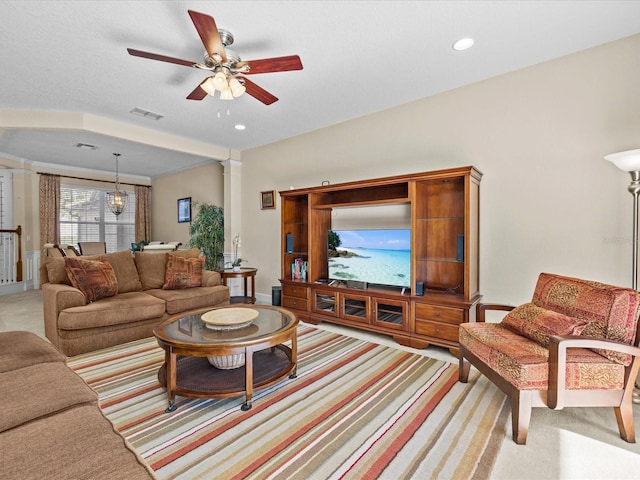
[[117, 200]]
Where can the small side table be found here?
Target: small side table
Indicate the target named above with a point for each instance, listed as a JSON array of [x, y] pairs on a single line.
[[245, 273]]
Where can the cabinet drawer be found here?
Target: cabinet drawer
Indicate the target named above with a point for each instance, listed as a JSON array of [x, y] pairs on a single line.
[[436, 313], [438, 330], [291, 291], [294, 302]]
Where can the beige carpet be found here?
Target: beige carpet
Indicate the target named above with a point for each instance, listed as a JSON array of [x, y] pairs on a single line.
[[574, 443]]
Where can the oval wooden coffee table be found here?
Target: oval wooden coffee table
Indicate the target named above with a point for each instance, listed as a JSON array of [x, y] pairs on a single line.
[[188, 341]]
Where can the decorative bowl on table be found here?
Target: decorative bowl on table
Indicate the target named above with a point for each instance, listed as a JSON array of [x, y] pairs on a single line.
[[227, 362], [224, 319], [229, 318]]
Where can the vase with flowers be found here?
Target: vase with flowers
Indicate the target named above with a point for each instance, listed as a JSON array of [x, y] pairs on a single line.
[[237, 261]]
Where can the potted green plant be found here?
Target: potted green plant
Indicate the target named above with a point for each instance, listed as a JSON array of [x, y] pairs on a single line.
[[207, 234]]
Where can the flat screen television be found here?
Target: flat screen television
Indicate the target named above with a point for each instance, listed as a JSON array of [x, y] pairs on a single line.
[[381, 257]]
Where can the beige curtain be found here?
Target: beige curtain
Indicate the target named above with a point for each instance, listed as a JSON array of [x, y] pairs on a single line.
[[49, 208], [143, 213]]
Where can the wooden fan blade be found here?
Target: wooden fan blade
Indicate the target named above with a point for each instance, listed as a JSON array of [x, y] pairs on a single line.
[[206, 27], [259, 93], [276, 64], [161, 58], [198, 93]]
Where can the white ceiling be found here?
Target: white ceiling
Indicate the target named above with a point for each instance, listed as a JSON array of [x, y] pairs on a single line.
[[359, 57]]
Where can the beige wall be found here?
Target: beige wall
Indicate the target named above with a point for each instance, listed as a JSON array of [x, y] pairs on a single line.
[[25, 212], [549, 202], [203, 184]]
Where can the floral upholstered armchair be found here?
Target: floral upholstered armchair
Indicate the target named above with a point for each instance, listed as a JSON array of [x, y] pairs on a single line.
[[574, 344]]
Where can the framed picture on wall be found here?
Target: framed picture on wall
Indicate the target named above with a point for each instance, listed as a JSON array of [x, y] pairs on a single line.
[[268, 199], [184, 210]]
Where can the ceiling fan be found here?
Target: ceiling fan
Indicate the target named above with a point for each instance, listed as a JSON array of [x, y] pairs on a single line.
[[225, 64]]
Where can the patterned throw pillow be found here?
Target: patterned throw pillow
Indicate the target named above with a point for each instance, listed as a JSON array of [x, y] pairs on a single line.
[[538, 324], [152, 267], [94, 278], [183, 272]]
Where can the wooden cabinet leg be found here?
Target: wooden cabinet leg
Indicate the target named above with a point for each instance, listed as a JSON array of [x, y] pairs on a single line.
[[411, 342]]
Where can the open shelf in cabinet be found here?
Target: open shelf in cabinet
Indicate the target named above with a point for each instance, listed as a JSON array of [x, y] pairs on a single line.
[[369, 195], [295, 232], [439, 234]]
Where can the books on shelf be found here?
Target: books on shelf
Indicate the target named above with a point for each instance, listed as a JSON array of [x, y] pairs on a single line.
[[299, 269]]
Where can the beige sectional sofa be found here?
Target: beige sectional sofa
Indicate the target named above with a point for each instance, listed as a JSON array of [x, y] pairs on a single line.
[[77, 326], [51, 425]]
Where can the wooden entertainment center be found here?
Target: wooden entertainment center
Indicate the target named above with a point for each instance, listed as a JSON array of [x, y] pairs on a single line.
[[444, 217]]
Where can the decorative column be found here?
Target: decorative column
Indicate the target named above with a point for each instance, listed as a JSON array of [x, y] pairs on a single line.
[[232, 204]]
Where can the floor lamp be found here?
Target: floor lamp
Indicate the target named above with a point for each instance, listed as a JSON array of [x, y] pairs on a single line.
[[629, 161]]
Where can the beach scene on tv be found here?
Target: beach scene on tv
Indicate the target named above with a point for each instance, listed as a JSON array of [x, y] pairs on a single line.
[[372, 256]]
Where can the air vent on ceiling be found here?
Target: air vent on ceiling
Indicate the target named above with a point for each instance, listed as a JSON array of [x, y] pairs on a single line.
[[146, 113], [85, 146]]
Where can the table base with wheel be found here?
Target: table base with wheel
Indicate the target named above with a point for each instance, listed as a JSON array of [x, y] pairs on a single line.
[[192, 350], [196, 377]]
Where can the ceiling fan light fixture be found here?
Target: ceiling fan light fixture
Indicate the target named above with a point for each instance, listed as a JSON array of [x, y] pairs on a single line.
[[220, 80], [209, 86], [236, 87], [225, 94]]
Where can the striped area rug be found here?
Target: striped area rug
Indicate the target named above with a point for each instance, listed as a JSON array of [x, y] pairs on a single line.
[[356, 411]]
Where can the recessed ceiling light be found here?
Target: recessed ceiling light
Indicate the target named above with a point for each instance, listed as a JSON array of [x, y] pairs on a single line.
[[239, 127], [463, 44]]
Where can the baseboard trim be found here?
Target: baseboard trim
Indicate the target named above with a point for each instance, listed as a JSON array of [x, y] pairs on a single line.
[[17, 287]]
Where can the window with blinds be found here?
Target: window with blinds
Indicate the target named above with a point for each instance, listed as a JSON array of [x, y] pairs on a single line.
[[85, 217]]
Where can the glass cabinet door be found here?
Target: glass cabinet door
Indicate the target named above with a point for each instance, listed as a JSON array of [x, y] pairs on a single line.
[[325, 303], [355, 307], [389, 313]]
